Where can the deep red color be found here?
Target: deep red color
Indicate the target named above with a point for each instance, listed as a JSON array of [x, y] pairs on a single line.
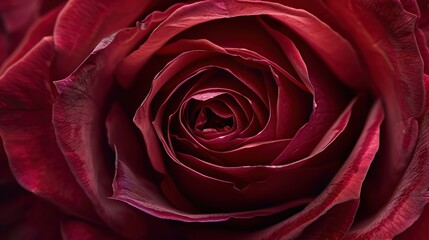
[[230, 119]]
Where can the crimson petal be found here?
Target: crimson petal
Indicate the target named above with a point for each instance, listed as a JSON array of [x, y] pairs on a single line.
[[26, 100], [142, 194], [398, 78], [16, 17], [40, 28], [418, 230], [89, 21], [409, 199], [347, 183], [24, 216], [74, 229], [78, 121], [334, 224]]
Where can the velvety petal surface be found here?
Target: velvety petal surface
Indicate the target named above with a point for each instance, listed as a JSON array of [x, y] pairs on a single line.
[[389, 46], [26, 100], [42, 27], [409, 198], [418, 229], [16, 17], [78, 119], [89, 21], [24, 215], [75, 229]]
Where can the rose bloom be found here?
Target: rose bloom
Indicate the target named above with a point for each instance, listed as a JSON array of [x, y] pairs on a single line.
[[214, 119]]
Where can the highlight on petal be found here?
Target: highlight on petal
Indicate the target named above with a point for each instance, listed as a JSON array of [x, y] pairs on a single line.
[[418, 229], [334, 224]]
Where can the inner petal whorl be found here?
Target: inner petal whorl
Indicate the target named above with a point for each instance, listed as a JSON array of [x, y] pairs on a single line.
[[208, 120]]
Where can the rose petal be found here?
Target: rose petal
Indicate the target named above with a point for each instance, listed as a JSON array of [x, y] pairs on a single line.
[[5, 173], [334, 224], [426, 79], [329, 101], [25, 107], [89, 21], [389, 44], [423, 47], [259, 187], [73, 229], [418, 230], [258, 153], [44, 26], [238, 38], [185, 45], [409, 199], [401, 79], [78, 117], [141, 193], [122, 136], [347, 183], [292, 53], [17, 16], [24, 216]]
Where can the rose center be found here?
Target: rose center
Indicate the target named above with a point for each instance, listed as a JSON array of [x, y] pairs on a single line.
[[210, 121]]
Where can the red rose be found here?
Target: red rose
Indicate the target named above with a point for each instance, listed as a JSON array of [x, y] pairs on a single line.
[[234, 119]]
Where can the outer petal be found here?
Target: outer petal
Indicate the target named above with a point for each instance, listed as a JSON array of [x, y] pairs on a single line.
[[388, 44], [334, 224], [418, 230], [44, 26], [5, 174], [73, 229], [348, 181], [26, 97], [78, 118], [16, 16], [398, 73], [83, 23], [24, 216], [408, 200]]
